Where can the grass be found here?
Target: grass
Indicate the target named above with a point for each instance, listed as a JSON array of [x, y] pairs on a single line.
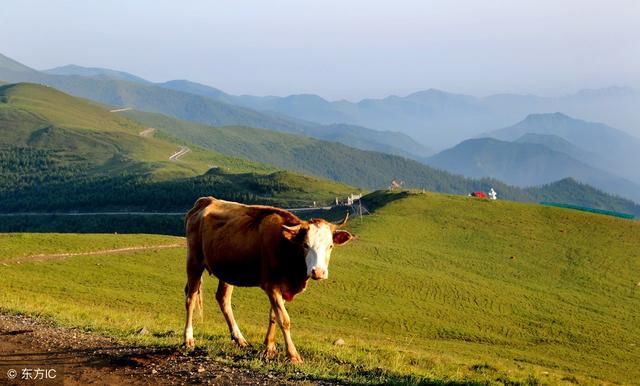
[[18, 245], [41, 116], [84, 140], [52, 143], [367, 169], [436, 289]]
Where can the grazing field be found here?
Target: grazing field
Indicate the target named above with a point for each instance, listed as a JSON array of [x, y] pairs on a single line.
[[436, 288]]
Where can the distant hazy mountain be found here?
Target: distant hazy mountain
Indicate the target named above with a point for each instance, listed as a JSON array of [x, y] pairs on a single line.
[[520, 164], [304, 106], [561, 145], [615, 151], [361, 168], [367, 139], [197, 88], [58, 152], [424, 115], [202, 104], [437, 117], [9, 65], [434, 117], [526, 164], [95, 72], [148, 97], [391, 142], [317, 109]]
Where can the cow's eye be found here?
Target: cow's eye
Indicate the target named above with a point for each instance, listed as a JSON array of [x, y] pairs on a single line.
[[331, 246], [306, 245]]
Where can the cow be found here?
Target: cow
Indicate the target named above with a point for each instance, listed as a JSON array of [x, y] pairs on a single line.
[[255, 246]]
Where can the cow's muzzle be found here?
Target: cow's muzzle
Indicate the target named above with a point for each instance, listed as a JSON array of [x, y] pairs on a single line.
[[318, 273]]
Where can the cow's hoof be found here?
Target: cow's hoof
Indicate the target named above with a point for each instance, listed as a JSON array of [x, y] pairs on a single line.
[[189, 344], [269, 353], [242, 343], [295, 359]]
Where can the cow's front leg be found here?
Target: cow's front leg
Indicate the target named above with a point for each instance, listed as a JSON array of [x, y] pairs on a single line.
[[270, 339], [282, 317]]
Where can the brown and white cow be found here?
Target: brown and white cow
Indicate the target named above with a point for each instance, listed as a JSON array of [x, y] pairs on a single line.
[[255, 246]]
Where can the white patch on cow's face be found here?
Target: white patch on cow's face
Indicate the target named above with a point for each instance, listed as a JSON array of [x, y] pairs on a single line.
[[318, 244]]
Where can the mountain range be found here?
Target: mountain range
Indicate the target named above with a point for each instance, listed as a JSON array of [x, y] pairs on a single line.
[[434, 117], [540, 149], [603, 147], [544, 148], [119, 89], [525, 164], [59, 152], [95, 72], [64, 153]]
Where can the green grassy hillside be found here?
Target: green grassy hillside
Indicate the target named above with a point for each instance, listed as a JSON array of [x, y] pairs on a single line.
[[199, 103], [82, 132], [195, 102], [64, 153], [139, 193], [144, 96], [435, 288], [362, 168], [321, 158]]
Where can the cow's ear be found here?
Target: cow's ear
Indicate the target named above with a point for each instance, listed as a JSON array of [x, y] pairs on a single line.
[[290, 231], [341, 237]]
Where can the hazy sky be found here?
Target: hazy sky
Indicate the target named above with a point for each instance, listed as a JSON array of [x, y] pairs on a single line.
[[338, 48]]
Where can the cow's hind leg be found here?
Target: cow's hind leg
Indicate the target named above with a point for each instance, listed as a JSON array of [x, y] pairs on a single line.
[[192, 298], [223, 296]]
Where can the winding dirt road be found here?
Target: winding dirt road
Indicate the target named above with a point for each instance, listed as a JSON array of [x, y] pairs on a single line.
[[183, 150], [147, 132], [120, 110]]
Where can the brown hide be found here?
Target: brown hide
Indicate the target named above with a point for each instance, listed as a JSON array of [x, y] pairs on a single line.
[[244, 245]]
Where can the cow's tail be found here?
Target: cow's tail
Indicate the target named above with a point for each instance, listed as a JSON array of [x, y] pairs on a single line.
[[197, 298], [199, 303], [192, 230]]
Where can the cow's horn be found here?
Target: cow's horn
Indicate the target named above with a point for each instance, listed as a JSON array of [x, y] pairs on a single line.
[[344, 222], [293, 228]]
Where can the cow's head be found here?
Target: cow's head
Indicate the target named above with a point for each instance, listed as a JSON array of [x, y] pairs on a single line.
[[317, 238]]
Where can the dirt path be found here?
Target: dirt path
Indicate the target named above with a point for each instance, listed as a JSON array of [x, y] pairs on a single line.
[[44, 257], [147, 132], [120, 110], [183, 150], [78, 358]]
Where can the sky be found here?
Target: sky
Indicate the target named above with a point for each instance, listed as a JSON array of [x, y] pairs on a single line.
[[339, 49]]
